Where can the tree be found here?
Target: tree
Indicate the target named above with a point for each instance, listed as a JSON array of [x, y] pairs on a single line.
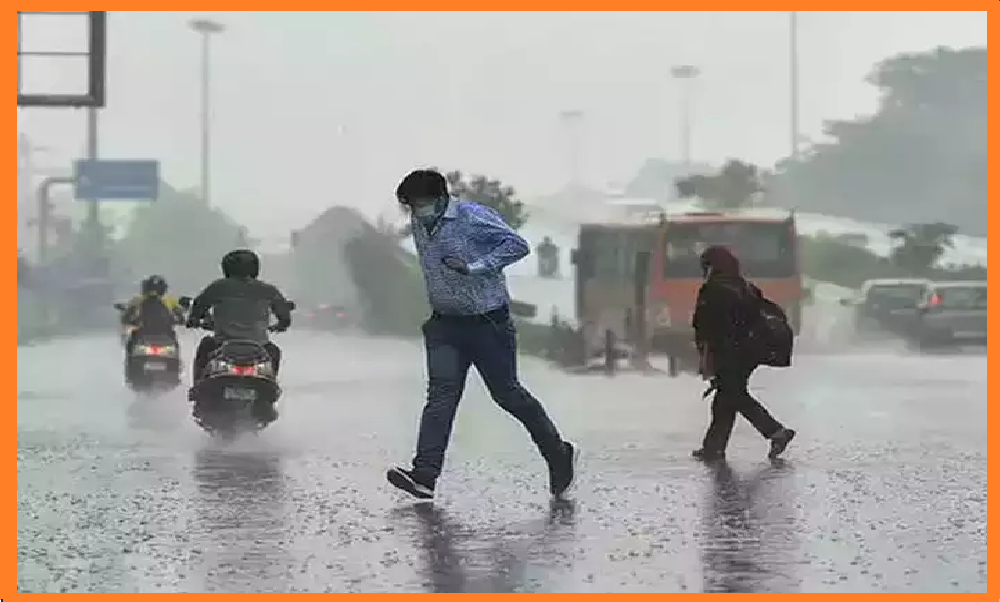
[[655, 178], [180, 237], [491, 193], [854, 239], [734, 186], [391, 231], [923, 153], [919, 246]]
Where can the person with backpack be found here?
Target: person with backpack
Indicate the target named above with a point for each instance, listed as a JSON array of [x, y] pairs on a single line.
[[736, 330]]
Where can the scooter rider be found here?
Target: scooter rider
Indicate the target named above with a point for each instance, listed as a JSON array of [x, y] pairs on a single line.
[[151, 313], [241, 309]]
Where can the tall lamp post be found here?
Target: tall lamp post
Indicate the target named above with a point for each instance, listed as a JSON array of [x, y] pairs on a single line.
[[572, 120], [793, 83], [206, 28], [686, 74]]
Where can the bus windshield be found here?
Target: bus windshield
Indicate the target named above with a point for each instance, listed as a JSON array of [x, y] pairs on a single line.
[[765, 249]]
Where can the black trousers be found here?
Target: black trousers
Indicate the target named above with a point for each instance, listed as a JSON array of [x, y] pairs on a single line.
[[209, 344], [732, 397]]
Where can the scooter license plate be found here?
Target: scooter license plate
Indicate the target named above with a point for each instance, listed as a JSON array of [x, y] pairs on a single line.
[[239, 394], [155, 367]]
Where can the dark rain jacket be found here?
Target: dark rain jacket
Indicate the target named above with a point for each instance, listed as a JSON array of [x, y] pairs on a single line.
[[726, 311], [241, 308]]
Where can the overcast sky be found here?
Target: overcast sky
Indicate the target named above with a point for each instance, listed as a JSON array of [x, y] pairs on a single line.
[[313, 109]]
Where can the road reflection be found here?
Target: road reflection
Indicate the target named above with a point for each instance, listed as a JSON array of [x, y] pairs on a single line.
[[749, 533], [460, 558], [240, 523]]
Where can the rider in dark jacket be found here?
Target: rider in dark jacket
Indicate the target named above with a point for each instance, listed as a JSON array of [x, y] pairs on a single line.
[[241, 308], [152, 312], [725, 313]]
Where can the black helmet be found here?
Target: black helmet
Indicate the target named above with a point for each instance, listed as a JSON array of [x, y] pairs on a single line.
[[422, 183], [154, 285], [241, 263]]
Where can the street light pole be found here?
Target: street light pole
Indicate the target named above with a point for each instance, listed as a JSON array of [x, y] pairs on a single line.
[[206, 28], [93, 232], [572, 119], [793, 82], [686, 74]]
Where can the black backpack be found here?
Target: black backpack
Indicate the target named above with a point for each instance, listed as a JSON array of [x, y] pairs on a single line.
[[771, 338]]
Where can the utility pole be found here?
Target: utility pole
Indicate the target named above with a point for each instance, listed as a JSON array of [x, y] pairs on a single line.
[[25, 177], [27, 199], [93, 234], [206, 28], [573, 120], [793, 82], [686, 74]]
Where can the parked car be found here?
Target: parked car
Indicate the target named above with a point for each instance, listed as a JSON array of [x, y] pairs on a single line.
[[951, 314], [886, 305], [336, 318]]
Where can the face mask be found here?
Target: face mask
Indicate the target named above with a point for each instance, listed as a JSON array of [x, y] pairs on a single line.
[[428, 212]]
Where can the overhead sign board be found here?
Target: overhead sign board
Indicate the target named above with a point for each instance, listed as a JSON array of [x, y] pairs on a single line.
[[125, 179]]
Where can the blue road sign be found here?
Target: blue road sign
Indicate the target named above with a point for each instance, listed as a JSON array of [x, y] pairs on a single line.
[[129, 179]]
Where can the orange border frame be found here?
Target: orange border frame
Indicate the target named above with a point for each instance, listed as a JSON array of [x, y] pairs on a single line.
[[9, 580]]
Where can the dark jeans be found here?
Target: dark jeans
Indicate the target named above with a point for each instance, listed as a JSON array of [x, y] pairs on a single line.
[[731, 398], [209, 344], [488, 342]]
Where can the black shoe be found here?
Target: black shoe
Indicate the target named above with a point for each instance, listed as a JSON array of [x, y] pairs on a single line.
[[779, 441], [404, 479], [708, 455], [562, 471]]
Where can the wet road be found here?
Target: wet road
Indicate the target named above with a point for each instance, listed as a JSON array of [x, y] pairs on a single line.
[[884, 490]]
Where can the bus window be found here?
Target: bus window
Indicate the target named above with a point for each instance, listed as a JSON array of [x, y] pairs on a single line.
[[765, 249]]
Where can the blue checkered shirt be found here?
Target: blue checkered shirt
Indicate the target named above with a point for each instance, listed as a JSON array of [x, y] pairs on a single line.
[[479, 236]]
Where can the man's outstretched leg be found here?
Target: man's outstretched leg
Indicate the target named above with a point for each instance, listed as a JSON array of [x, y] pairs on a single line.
[[494, 346], [734, 387], [713, 446], [447, 369]]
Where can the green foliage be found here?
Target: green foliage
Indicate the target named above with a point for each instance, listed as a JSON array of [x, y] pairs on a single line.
[[392, 287], [179, 237], [829, 259], [492, 193], [734, 186], [922, 154], [656, 178], [919, 246], [389, 282]]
